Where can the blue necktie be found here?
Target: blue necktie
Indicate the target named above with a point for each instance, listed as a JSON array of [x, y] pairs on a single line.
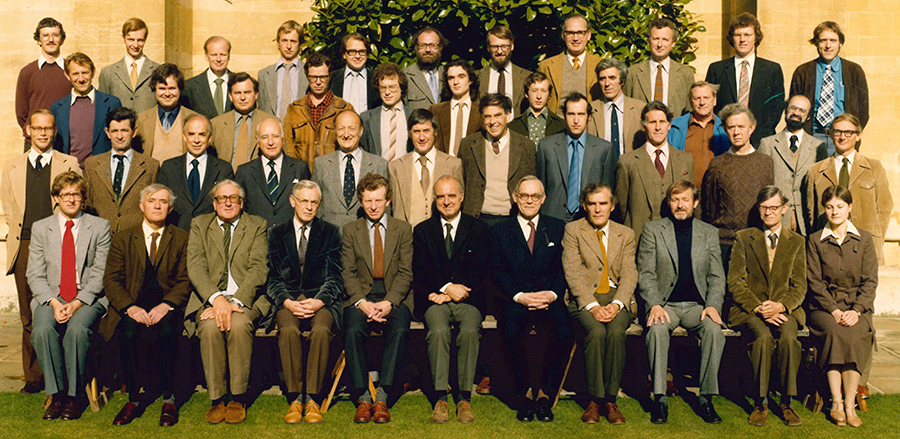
[[614, 130], [433, 85], [574, 190], [272, 182], [349, 181], [194, 181]]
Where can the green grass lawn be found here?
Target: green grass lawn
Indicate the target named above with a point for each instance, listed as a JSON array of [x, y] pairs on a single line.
[[22, 418]]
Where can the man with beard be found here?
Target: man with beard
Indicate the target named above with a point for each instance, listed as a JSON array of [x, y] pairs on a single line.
[[425, 75], [700, 132], [502, 76], [793, 151]]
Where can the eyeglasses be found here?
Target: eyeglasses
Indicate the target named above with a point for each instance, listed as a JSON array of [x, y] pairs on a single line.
[[798, 109], [356, 52], [318, 78], [531, 197], [769, 209], [304, 202], [575, 33], [391, 88], [222, 199], [499, 47], [844, 133], [431, 46], [42, 129], [74, 196]]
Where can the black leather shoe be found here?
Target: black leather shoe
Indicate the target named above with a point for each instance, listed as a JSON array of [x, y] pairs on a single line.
[[659, 413], [55, 409], [542, 410], [708, 413], [32, 387], [524, 414], [126, 415], [72, 409]]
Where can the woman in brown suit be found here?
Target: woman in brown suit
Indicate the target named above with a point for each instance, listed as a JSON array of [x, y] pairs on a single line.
[[842, 273]]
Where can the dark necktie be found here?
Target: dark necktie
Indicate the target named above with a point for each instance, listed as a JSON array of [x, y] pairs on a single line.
[[117, 179], [37, 163], [844, 178], [226, 244], [614, 129], [378, 256], [349, 181], [272, 182], [793, 143], [501, 81], [194, 180], [301, 248], [68, 287], [574, 188], [773, 239], [219, 97], [531, 237], [659, 164], [495, 146], [153, 238], [448, 240]]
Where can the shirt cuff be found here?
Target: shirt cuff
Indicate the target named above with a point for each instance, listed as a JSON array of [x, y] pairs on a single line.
[[619, 302], [554, 296], [444, 288], [517, 296], [357, 302], [591, 305], [213, 297], [238, 302]]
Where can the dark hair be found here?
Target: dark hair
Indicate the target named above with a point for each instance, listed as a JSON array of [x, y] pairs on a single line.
[[51, 22], [823, 26], [354, 36], [66, 179], [421, 115], [608, 63], [745, 20], [662, 23], [655, 106], [681, 186], [839, 192], [495, 100], [537, 77], [371, 182], [446, 94], [316, 59], [769, 192], [594, 187], [161, 74], [121, 113], [388, 69], [444, 41], [241, 77], [571, 98]]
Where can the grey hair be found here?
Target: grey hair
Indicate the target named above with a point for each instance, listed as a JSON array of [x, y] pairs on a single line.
[[734, 110], [607, 63], [152, 188], [529, 178], [280, 127], [220, 183], [306, 184], [197, 116], [449, 177]]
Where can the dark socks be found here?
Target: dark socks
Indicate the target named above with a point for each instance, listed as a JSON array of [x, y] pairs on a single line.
[[662, 398], [242, 398], [465, 396], [216, 402], [292, 396]]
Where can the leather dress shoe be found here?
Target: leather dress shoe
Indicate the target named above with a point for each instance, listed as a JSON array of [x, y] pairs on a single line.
[[380, 413], [464, 412], [126, 415], [441, 413], [55, 408], [169, 415], [216, 413], [791, 418], [235, 413], [862, 391], [295, 413], [363, 413], [37, 386], [524, 414], [311, 413], [659, 413], [592, 414], [484, 386], [613, 415], [72, 409], [758, 415], [542, 410], [708, 413]]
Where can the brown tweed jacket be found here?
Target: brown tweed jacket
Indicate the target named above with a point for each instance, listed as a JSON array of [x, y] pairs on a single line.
[[122, 212], [471, 152], [583, 261]]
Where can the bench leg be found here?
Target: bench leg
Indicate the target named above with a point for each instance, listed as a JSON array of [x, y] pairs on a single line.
[[565, 374], [861, 402], [336, 373]]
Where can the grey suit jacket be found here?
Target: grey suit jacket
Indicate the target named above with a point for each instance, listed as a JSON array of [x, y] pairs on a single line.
[[403, 176], [792, 178], [115, 80], [222, 140], [197, 96], [268, 88], [371, 136], [631, 125], [552, 167], [657, 263], [641, 81], [327, 173], [641, 191], [520, 102], [419, 93], [45, 258]]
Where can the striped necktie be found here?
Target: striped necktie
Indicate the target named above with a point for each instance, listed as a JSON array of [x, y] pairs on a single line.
[[272, 181]]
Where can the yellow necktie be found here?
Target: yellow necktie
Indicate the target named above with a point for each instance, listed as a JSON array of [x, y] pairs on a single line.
[[134, 75], [603, 288], [576, 63]]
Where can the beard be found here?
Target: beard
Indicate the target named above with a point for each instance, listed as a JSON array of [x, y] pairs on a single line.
[[426, 64], [793, 124]]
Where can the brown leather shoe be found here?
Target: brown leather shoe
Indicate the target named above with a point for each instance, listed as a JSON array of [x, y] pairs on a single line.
[[484, 386], [72, 409], [363, 413], [126, 415], [55, 408], [758, 415], [464, 412], [235, 413], [37, 386], [613, 415], [380, 413], [169, 415], [216, 413], [591, 414], [791, 419], [295, 413], [441, 413], [311, 413], [861, 391]]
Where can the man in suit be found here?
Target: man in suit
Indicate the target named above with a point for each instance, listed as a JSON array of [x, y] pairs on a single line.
[[537, 121], [598, 259], [25, 192], [456, 115], [205, 93], [794, 151], [567, 162], [502, 76], [494, 160], [282, 83], [617, 117], [305, 287], [129, 79], [66, 260], [812, 79], [643, 175], [767, 279], [234, 133], [228, 270], [338, 173], [147, 284], [661, 78], [43, 81], [268, 178], [158, 130], [377, 277], [116, 178], [353, 82], [80, 116], [747, 79], [385, 132], [192, 174], [700, 132], [682, 283], [450, 259], [574, 69], [411, 175], [526, 256], [425, 75], [310, 120]]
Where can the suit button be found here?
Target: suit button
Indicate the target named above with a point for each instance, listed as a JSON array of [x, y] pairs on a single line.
[[672, 284], [595, 285]]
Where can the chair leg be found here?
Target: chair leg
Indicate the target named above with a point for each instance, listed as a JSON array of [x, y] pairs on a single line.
[[336, 373], [565, 374]]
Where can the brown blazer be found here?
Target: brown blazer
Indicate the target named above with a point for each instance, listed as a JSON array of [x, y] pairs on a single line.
[[553, 68], [633, 133], [358, 263], [12, 195], [844, 277], [125, 266], [222, 140], [872, 202], [471, 152], [750, 281], [519, 101], [441, 111], [305, 141], [121, 212], [641, 81], [403, 176], [856, 89], [582, 260], [145, 129]]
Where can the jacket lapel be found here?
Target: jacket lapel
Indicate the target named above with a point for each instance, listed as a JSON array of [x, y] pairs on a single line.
[[591, 157], [236, 237], [212, 171], [290, 242], [390, 242], [807, 152], [139, 248], [100, 111], [17, 173], [593, 241], [758, 245], [135, 170], [784, 151], [216, 234], [362, 235], [161, 246], [669, 242], [121, 70], [104, 172], [860, 165], [405, 173], [643, 78], [562, 158], [516, 150], [85, 235], [730, 78]]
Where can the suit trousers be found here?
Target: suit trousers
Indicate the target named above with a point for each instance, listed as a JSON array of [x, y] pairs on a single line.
[[29, 359], [712, 342], [554, 329], [438, 319], [356, 332], [290, 346], [604, 346], [148, 355], [63, 359], [781, 341], [227, 351]]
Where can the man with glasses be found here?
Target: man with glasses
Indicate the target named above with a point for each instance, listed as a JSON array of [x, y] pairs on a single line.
[[227, 263], [384, 127], [309, 122], [502, 76], [43, 81], [425, 75], [574, 69], [354, 82]]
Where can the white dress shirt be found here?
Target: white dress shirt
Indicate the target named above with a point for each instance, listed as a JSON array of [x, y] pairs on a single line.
[[402, 131], [581, 59], [62, 236], [494, 80], [148, 235], [620, 116], [60, 61], [75, 95], [605, 244], [355, 90], [357, 157], [429, 163], [265, 164], [664, 157], [297, 229], [751, 60], [526, 231], [126, 165], [45, 157], [211, 79], [140, 63], [665, 78], [828, 232], [466, 102], [839, 162], [232, 287], [201, 165], [454, 226]]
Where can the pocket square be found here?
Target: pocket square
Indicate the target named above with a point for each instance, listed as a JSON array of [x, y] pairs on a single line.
[[684, 172], [551, 244], [295, 181]]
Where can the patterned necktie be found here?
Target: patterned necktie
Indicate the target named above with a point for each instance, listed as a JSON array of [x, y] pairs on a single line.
[[194, 180], [826, 99], [117, 178], [226, 244], [133, 76], [448, 240], [844, 178], [659, 164], [349, 181], [392, 150], [744, 90], [153, 237], [37, 163], [614, 129], [301, 248], [576, 63], [167, 120], [603, 287], [658, 87], [242, 148], [378, 256], [433, 85], [501, 81], [495, 146], [272, 182], [425, 181], [573, 190], [219, 97], [773, 239], [458, 130], [531, 237], [287, 92], [68, 287], [794, 143]]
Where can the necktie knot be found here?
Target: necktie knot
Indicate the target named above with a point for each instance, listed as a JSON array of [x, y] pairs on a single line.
[[70, 224], [794, 140], [226, 227], [37, 163], [119, 157], [846, 161], [495, 145], [272, 164], [423, 160], [773, 239], [613, 107], [195, 163], [658, 153], [531, 224], [154, 235], [219, 81]]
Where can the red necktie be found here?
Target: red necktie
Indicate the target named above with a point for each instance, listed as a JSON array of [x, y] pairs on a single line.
[[531, 237], [68, 288], [658, 163]]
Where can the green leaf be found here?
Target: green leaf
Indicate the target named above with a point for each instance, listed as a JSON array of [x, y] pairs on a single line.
[[530, 14], [417, 16]]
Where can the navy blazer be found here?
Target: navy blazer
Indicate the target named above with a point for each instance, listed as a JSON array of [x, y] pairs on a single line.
[[103, 104], [766, 99], [373, 97], [252, 176], [173, 174], [516, 270]]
